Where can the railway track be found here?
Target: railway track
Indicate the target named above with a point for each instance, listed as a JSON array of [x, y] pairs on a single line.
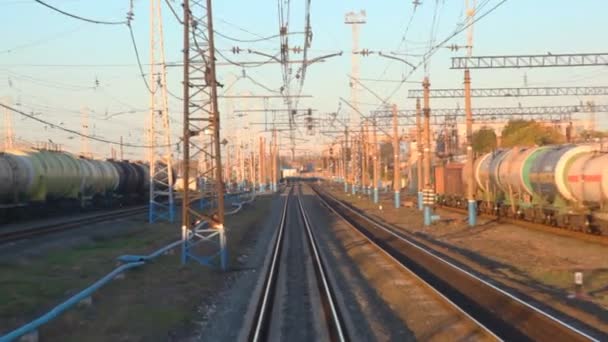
[[297, 301], [45, 229], [582, 236], [507, 316]]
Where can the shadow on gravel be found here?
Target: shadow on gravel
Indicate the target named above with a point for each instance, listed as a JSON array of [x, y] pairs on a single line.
[[508, 272], [515, 275]]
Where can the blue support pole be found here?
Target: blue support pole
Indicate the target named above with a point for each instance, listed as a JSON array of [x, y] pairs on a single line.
[[184, 245], [420, 201], [346, 187], [397, 199], [472, 213], [223, 251], [354, 189], [376, 195], [427, 215]]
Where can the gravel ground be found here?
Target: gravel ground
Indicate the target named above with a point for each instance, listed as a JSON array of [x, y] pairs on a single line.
[[384, 301], [534, 263], [222, 315]]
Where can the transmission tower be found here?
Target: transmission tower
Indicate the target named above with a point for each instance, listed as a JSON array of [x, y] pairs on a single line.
[[9, 135], [203, 231], [162, 205], [354, 20]]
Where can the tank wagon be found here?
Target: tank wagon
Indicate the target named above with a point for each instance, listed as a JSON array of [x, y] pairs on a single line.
[[37, 181], [561, 185]]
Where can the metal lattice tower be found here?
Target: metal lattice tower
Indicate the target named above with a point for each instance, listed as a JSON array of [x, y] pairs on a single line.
[[354, 20], [162, 206], [9, 134], [201, 138]]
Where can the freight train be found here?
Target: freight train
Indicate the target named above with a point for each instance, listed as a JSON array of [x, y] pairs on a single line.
[[33, 181], [564, 186]]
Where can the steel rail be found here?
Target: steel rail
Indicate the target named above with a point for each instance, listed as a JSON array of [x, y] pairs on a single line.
[[21, 234], [264, 308], [533, 323], [408, 270], [336, 325]]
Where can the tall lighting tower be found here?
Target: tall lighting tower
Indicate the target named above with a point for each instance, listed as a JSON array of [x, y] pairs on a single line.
[[201, 138], [162, 205], [354, 20]]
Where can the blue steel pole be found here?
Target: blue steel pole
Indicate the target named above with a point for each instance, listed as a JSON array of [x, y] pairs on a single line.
[[397, 199], [472, 213], [420, 201], [427, 215]]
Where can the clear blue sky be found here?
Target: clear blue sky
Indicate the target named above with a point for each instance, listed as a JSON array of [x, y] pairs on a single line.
[[54, 60]]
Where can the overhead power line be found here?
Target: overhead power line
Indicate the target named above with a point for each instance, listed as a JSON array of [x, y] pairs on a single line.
[[436, 48], [52, 125], [93, 21]]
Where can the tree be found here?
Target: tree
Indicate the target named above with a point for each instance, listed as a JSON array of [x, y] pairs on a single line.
[[484, 140], [530, 133], [587, 135]]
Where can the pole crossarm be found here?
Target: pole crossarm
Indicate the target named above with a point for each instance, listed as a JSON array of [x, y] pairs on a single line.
[[514, 92], [530, 61]]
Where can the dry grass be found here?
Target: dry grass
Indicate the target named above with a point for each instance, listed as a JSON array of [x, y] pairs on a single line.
[[152, 303]]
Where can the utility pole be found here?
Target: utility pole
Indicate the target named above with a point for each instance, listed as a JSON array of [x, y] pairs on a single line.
[[472, 204], [202, 119], [9, 134], [356, 163], [122, 156], [162, 206], [428, 187], [84, 140], [252, 169], [242, 166], [273, 161], [261, 165], [396, 161], [420, 159], [346, 160], [365, 160], [375, 160]]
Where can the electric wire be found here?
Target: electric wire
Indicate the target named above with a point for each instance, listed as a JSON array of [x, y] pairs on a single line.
[[174, 12], [42, 40], [438, 46], [93, 21], [136, 50], [57, 126]]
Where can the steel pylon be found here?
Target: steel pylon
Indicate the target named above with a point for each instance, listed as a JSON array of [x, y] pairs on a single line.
[[162, 204], [203, 231]]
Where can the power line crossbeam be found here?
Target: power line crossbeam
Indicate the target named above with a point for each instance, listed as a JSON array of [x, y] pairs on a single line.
[[496, 114], [530, 61], [513, 92]]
